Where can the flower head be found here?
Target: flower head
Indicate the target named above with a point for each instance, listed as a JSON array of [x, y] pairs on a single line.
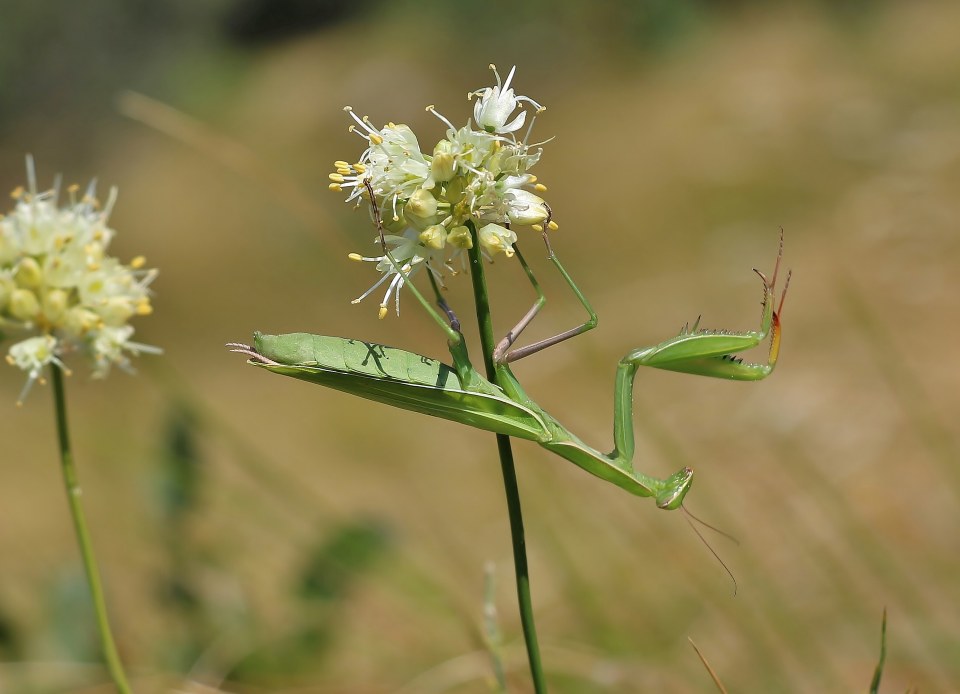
[[60, 289], [477, 178]]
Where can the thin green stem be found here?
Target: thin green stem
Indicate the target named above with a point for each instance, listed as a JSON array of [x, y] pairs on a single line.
[[485, 325], [110, 654]]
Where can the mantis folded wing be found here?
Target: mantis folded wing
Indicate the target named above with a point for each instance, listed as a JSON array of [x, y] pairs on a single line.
[[458, 392]]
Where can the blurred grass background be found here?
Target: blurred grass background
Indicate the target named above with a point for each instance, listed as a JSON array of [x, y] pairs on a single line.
[[260, 535]]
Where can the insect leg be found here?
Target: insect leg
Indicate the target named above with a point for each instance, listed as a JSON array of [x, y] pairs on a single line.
[[501, 355]]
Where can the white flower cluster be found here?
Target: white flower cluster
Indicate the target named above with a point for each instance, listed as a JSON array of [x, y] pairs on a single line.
[[60, 288], [478, 175]]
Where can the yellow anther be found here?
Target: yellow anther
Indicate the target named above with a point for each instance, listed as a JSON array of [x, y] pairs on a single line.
[[17, 193], [355, 256], [138, 262], [339, 164], [335, 177], [539, 187], [382, 313], [375, 139], [553, 226], [10, 360], [537, 228], [334, 186], [344, 172], [431, 107], [360, 168], [144, 308]]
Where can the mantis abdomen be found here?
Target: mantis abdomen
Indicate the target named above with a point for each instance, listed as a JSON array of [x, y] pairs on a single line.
[[396, 377]]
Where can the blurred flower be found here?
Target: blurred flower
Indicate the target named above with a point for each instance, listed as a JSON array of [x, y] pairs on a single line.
[[59, 287], [477, 175]]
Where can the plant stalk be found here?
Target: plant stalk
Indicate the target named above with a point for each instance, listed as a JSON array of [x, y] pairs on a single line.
[[487, 344], [72, 484]]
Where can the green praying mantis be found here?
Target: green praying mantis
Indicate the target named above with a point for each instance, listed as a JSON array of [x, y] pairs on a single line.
[[459, 393]]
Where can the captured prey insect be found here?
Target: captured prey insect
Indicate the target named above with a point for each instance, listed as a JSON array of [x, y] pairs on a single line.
[[458, 392]]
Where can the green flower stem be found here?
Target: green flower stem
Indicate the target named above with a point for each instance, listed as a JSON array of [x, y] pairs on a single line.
[[487, 344], [110, 654]]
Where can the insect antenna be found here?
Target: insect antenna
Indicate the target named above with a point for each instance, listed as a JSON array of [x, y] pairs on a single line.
[[241, 348], [689, 517]]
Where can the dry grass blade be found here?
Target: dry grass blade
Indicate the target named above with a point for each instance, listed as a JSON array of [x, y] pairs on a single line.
[[713, 675]]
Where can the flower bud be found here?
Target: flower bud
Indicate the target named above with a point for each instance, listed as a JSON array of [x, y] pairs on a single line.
[[526, 208], [24, 304], [444, 163], [28, 273], [434, 237], [421, 204], [54, 305], [497, 239], [460, 237]]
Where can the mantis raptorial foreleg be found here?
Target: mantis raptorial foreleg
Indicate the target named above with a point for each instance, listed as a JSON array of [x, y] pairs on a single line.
[[714, 352], [696, 351]]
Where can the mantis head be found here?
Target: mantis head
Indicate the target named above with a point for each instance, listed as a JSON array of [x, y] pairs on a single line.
[[674, 489]]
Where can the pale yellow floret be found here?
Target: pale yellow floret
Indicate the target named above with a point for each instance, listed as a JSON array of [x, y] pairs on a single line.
[[24, 304], [55, 305], [28, 273]]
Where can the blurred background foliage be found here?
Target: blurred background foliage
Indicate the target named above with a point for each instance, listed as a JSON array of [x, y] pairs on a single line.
[[259, 535]]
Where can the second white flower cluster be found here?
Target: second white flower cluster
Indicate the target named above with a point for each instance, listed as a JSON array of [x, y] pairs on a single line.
[[60, 291], [477, 176]]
